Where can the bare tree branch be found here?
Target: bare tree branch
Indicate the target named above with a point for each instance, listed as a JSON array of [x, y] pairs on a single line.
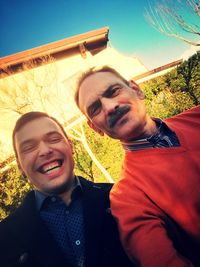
[[173, 18]]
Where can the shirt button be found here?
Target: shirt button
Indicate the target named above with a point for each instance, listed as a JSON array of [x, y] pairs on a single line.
[[78, 242], [108, 210], [53, 199], [23, 258]]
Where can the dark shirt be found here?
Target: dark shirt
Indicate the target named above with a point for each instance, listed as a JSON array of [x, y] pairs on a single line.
[[65, 223], [165, 137]]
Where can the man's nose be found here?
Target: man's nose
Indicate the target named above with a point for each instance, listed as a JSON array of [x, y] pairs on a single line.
[[109, 105], [44, 149]]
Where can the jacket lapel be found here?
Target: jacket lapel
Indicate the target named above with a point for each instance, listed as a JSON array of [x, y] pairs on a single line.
[[95, 202], [34, 235]]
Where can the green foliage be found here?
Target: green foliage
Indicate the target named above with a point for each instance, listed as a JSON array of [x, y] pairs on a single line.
[[84, 164], [12, 190], [174, 92], [108, 152], [189, 73]]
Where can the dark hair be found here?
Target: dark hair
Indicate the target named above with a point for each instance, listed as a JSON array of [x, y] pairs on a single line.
[[92, 71], [30, 116]]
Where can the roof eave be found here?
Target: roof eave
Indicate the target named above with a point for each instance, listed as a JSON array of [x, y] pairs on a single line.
[[93, 41]]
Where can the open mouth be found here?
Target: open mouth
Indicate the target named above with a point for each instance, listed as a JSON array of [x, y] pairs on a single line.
[[117, 115], [51, 167]]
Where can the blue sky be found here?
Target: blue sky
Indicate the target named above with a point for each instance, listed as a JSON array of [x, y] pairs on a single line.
[[26, 24]]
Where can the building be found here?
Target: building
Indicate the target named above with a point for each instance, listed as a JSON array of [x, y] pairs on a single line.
[[43, 78]]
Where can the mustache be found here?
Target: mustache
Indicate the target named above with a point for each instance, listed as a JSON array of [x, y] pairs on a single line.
[[116, 115]]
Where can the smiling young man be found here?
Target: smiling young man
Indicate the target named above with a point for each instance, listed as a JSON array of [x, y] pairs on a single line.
[[65, 220], [157, 201]]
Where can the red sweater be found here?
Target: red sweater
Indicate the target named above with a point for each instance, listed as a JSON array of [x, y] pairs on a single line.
[[158, 184]]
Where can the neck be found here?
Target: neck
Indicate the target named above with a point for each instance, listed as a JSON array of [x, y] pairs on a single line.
[[66, 196], [148, 129], [151, 128]]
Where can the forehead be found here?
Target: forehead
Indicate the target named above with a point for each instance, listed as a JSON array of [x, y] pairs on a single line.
[[94, 85], [36, 129]]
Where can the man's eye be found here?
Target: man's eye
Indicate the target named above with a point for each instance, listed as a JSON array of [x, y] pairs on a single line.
[[28, 148], [113, 92], [55, 139], [94, 109]]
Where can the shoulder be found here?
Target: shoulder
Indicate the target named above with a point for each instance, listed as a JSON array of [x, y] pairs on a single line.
[[88, 183], [26, 204], [95, 189], [187, 118], [193, 112]]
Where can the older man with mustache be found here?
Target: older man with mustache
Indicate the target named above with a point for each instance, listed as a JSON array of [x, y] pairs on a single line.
[[157, 201]]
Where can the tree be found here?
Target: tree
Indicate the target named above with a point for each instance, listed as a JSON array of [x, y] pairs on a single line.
[[29, 89], [175, 91], [175, 18], [107, 151], [79, 135], [189, 72], [12, 189]]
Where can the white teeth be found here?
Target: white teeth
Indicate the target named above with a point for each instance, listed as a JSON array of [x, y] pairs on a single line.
[[51, 167], [52, 170]]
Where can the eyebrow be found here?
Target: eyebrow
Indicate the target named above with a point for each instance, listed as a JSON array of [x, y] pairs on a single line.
[[104, 94]]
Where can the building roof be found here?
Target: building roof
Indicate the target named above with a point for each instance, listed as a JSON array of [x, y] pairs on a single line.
[[157, 71], [93, 41]]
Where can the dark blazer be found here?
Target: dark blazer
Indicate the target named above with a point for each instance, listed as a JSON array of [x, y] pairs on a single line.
[[25, 241]]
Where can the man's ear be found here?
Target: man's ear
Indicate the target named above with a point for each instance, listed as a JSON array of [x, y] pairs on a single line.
[[71, 145], [97, 130], [137, 89]]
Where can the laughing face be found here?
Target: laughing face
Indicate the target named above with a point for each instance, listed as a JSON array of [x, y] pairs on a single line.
[[113, 107], [45, 156]]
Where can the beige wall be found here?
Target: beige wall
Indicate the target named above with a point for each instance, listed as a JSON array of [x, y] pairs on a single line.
[[50, 88]]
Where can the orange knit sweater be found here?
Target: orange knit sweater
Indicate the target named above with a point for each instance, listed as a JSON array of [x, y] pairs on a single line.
[[160, 186]]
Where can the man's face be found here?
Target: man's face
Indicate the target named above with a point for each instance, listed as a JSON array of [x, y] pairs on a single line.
[[113, 107], [45, 156]]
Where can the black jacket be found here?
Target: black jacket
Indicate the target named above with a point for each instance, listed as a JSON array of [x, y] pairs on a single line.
[[25, 241]]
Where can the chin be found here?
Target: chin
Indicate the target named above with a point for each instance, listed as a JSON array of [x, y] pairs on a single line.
[[59, 189]]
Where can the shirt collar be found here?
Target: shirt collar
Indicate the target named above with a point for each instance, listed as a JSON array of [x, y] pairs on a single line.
[[40, 197], [139, 144]]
